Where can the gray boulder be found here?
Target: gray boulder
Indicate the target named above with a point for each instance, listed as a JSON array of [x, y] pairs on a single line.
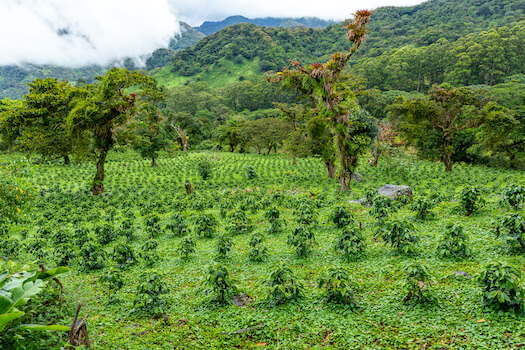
[[357, 177], [395, 191], [390, 191]]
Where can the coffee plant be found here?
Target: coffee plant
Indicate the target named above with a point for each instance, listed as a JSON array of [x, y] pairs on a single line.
[[123, 255], [283, 286], [250, 172], [500, 283], [341, 217], [418, 283], [514, 195], [92, 256], [148, 252], [470, 199], [258, 252], [177, 225], [423, 208], [401, 235], [217, 281], [512, 228], [350, 243], [453, 243], [148, 297], [205, 225], [224, 245], [187, 247], [152, 225], [239, 223], [105, 234], [302, 239], [339, 287]]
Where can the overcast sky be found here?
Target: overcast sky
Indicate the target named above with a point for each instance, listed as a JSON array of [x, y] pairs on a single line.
[[80, 32]]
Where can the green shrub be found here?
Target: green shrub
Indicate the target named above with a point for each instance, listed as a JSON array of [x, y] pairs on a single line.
[[470, 199], [205, 225], [152, 225], [250, 172], [204, 169], [423, 208], [105, 234], [514, 195], [500, 283], [177, 225], [512, 227], [350, 243], [187, 247], [302, 239], [453, 243], [239, 223], [123, 255], [401, 235], [380, 207], [148, 297], [224, 245], [338, 286], [283, 286], [149, 252], [217, 280], [64, 254], [417, 283], [258, 251], [341, 217], [92, 256]]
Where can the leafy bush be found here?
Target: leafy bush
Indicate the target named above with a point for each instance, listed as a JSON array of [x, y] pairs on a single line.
[[204, 169], [92, 256], [148, 298], [380, 207], [401, 235], [470, 199], [224, 245], [453, 243], [152, 223], [64, 254], [187, 247], [177, 225], [341, 217], [512, 227], [306, 214], [283, 286], [205, 225], [124, 256], [514, 195], [218, 281], [250, 172], [417, 283], [500, 283], [258, 251], [239, 223], [273, 217], [338, 286], [105, 234], [350, 243], [302, 239], [423, 208], [149, 252]]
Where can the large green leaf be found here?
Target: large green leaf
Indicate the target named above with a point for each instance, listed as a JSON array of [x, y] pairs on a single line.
[[6, 318], [3, 276], [47, 275], [23, 293], [43, 327], [5, 304]]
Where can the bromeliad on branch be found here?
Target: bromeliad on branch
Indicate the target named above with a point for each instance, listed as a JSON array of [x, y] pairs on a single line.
[[353, 128]]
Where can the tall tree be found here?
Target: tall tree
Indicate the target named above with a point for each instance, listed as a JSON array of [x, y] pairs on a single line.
[[444, 113], [39, 122], [108, 106], [353, 128]]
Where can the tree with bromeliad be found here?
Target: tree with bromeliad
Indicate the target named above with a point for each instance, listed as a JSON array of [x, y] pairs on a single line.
[[108, 107], [353, 129]]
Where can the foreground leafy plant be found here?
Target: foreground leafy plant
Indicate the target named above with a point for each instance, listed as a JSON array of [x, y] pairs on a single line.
[[453, 243], [341, 217], [401, 235], [500, 283], [258, 251], [470, 199], [224, 245], [283, 286], [187, 247], [218, 281], [512, 227], [16, 289], [514, 195], [205, 225], [338, 286], [417, 283], [350, 243], [148, 298]]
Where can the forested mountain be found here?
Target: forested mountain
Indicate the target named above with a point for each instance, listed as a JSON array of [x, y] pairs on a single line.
[[210, 27], [408, 48], [464, 42]]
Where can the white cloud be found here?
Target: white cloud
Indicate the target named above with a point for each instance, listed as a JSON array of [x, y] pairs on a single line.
[[82, 32], [195, 12]]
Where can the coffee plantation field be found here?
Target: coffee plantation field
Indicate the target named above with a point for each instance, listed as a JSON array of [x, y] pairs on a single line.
[[269, 255]]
